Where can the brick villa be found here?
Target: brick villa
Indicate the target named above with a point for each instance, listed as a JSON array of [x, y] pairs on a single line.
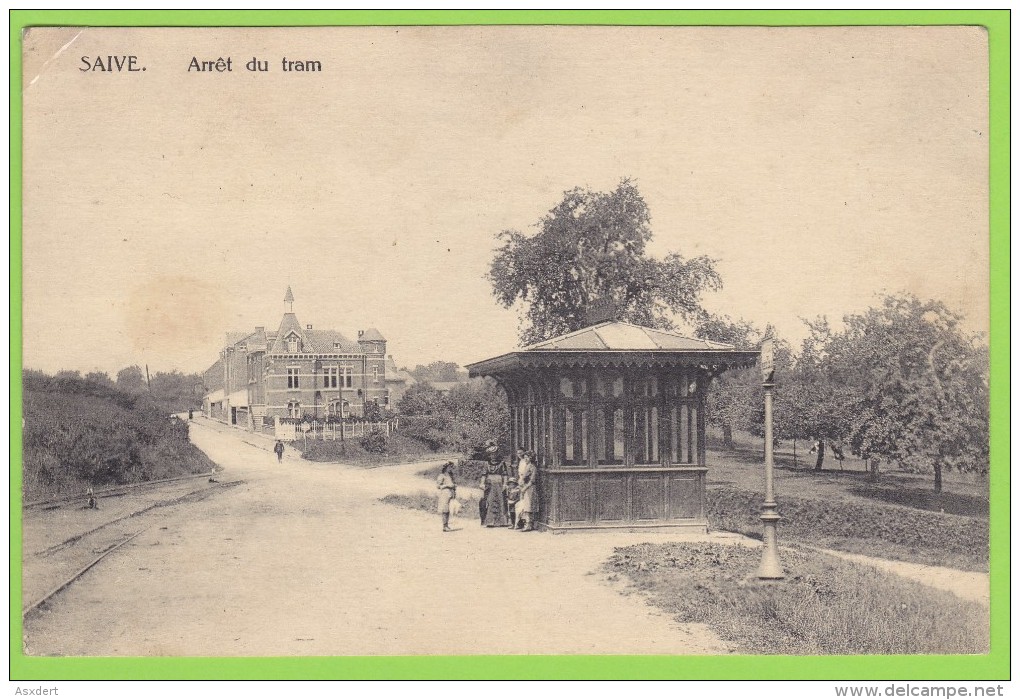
[[299, 372]]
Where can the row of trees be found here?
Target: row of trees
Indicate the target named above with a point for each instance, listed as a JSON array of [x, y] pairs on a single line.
[[901, 382]]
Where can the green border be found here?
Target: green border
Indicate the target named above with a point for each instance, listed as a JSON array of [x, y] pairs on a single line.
[[994, 666]]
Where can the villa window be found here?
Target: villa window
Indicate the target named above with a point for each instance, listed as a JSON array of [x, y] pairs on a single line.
[[329, 377], [293, 379]]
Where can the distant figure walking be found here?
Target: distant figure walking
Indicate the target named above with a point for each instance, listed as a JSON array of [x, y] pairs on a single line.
[[447, 491], [527, 506], [191, 414], [278, 449]]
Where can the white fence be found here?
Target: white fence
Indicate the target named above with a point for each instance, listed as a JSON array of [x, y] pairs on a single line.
[[316, 430]]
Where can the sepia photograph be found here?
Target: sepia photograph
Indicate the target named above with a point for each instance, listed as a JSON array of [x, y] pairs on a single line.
[[495, 340]]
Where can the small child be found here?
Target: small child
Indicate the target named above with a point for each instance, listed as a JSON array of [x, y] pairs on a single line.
[[513, 494]]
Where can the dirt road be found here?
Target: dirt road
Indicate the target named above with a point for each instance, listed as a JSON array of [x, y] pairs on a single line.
[[303, 559]]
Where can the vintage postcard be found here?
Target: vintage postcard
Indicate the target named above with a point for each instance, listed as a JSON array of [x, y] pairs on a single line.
[[416, 341]]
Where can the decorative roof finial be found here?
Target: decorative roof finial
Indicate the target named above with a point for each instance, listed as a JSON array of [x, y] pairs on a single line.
[[288, 299], [601, 310]]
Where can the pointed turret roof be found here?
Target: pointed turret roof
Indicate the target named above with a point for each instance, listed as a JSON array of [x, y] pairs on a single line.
[[371, 334]]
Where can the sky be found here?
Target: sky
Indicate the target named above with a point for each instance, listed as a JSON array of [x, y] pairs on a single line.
[[162, 208]]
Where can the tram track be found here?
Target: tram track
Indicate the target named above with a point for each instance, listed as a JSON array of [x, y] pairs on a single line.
[[25, 612], [189, 497], [112, 491], [57, 566]]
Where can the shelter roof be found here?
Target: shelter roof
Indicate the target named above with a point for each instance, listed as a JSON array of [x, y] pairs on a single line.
[[618, 344], [619, 335]]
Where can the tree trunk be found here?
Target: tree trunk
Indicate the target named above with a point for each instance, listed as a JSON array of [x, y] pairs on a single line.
[[821, 456], [873, 464], [938, 477], [727, 436]]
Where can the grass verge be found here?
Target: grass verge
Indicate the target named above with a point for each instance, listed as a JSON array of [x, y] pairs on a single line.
[[429, 503], [466, 472], [828, 606]]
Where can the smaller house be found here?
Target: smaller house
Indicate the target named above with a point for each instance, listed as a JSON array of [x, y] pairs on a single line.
[[398, 381]]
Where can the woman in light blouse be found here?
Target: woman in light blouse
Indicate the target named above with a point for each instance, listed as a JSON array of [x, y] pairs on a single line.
[[447, 490]]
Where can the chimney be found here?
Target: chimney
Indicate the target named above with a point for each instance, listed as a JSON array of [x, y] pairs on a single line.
[[260, 329], [361, 333], [308, 327]]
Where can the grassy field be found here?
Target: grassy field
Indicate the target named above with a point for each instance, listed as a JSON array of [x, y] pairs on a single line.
[[829, 607], [897, 517]]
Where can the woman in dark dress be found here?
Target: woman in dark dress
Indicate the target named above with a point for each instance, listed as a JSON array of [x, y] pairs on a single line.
[[494, 488]]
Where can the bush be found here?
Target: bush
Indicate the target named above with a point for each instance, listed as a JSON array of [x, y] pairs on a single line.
[[461, 421], [74, 440], [398, 448], [432, 430], [375, 442]]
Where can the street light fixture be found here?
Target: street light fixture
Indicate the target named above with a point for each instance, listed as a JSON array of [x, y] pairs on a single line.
[[770, 567]]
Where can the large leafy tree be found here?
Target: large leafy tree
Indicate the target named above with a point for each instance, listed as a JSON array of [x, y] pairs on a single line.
[[914, 386], [131, 379], [591, 247], [811, 403]]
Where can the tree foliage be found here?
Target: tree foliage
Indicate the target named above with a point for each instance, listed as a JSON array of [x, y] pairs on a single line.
[[437, 371], [131, 379], [592, 247], [902, 382], [736, 401], [914, 386], [463, 419]]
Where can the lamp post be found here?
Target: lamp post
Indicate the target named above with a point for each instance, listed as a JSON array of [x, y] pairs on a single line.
[[770, 567]]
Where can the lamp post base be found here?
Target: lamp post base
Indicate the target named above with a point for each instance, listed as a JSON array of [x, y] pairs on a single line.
[[770, 567]]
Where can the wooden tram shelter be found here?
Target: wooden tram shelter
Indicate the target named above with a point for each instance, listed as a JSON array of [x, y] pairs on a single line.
[[615, 414]]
